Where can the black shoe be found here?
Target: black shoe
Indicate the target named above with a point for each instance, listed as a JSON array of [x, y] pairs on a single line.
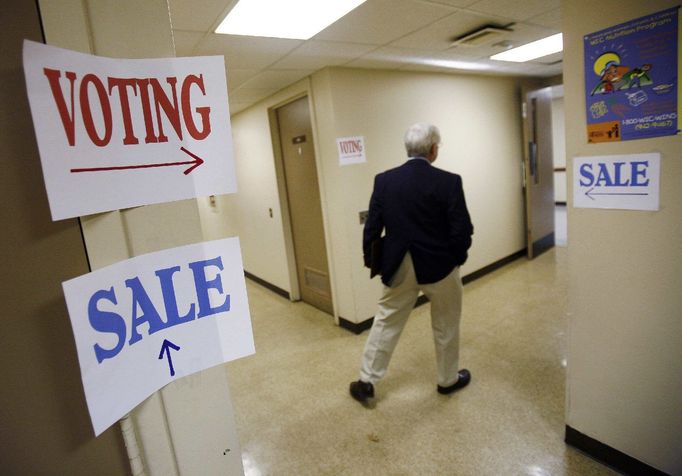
[[462, 381], [361, 391]]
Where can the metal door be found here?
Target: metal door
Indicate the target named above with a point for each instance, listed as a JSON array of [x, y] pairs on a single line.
[[305, 209], [539, 172]]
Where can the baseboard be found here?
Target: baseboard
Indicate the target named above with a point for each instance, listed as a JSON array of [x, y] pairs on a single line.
[[267, 285], [543, 244], [358, 328], [493, 266], [366, 324], [609, 456]]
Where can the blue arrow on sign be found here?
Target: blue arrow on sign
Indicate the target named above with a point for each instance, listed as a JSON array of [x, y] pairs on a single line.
[[166, 347]]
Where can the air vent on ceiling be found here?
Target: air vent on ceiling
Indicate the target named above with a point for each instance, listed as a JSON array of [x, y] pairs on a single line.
[[484, 35]]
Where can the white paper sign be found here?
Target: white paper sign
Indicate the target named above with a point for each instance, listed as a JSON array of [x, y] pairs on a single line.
[[142, 323], [628, 182], [351, 150], [117, 133]]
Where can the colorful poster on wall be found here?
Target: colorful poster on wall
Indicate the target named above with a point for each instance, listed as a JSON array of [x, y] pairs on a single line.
[[631, 83]]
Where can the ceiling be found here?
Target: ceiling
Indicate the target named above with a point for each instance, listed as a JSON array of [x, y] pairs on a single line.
[[413, 35]]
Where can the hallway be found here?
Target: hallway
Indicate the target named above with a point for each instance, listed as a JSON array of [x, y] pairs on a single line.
[[295, 417]]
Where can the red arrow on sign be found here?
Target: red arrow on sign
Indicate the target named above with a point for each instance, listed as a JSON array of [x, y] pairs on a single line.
[[195, 163]]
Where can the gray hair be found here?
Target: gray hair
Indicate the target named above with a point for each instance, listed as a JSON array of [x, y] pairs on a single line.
[[419, 138]]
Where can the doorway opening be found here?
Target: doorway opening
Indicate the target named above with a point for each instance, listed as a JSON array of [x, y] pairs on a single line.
[[544, 170], [559, 160]]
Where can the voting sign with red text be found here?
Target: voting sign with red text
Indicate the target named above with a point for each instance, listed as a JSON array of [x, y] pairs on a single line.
[[118, 133]]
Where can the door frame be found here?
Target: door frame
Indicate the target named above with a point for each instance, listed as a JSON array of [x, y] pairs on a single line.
[[284, 199]]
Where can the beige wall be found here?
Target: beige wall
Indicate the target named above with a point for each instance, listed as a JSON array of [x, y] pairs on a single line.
[[625, 326], [44, 423], [479, 118], [186, 426], [247, 213]]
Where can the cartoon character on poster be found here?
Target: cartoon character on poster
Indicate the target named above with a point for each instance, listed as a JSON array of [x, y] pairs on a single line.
[[631, 79], [613, 76]]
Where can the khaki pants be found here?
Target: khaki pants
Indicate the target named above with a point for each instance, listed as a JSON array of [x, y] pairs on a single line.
[[395, 306]]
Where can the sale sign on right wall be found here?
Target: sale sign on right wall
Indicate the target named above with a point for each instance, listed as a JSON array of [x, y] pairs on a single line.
[[629, 182]]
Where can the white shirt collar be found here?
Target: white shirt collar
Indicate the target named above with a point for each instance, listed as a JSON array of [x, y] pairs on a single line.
[[420, 158]]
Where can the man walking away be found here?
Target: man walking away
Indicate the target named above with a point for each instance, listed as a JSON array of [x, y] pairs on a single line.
[[427, 234]]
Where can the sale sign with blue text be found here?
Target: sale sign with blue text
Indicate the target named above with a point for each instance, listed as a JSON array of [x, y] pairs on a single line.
[[118, 133], [628, 182], [145, 322]]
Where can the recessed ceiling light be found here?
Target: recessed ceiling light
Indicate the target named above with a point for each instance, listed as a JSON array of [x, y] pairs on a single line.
[[537, 49], [294, 19]]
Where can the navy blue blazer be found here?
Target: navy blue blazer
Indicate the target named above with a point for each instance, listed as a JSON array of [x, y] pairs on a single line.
[[423, 211]]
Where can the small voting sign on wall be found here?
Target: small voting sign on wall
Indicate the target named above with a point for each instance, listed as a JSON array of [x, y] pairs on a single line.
[[351, 150]]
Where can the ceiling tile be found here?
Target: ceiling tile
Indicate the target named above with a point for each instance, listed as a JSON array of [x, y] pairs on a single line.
[[186, 41], [250, 95], [453, 3], [460, 63], [196, 16], [237, 77], [440, 34], [316, 54], [376, 63], [521, 34], [246, 52], [400, 55], [443, 69], [518, 10], [543, 71], [550, 19], [411, 35], [378, 22], [549, 59], [275, 79], [401, 58]]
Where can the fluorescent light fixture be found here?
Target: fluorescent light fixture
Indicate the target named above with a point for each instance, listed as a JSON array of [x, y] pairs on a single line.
[[293, 19], [537, 49]]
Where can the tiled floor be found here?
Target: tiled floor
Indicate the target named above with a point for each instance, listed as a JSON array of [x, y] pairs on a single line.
[[295, 417]]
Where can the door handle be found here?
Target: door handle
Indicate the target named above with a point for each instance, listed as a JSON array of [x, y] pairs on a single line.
[[533, 161]]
